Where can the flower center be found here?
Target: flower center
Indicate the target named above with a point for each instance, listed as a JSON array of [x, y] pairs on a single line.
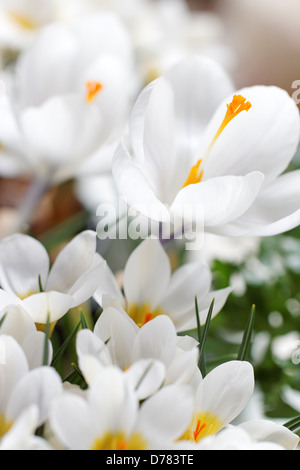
[[118, 441], [23, 21], [237, 105], [141, 314], [202, 425], [92, 90], [4, 425]]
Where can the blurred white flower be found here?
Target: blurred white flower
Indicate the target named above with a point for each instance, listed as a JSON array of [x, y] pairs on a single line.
[[25, 278], [72, 91], [26, 396], [117, 340], [111, 419], [192, 142], [16, 322], [151, 290]]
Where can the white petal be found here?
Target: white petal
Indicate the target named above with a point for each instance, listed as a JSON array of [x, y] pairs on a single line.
[[199, 85], [221, 199], [21, 434], [17, 323], [226, 390], [74, 430], [88, 343], [33, 346], [134, 187], [183, 367], [188, 281], [114, 401], [22, 261], [52, 304], [107, 284], [72, 262], [166, 415], [157, 339], [146, 376], [264, 430], [118, 331], [147, 274], [263, 139], [62, 129], [13, 368], [40, 386], [276, 210]]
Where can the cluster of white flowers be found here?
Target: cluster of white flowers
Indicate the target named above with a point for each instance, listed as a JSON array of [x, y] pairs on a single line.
[[138, 93]]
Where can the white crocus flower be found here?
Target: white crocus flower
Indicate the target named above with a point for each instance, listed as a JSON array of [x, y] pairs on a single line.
[[71, 95], [21, 390], [16, 322], [194, 143], [111, 418], [26, 280], [220, 398], [150, 289], [118, 340], [20, 21]]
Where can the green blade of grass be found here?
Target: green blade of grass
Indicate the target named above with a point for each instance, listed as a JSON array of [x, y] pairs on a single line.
[[293, 425], [246, 341], [203, 337], [65, 345], [46, 343]]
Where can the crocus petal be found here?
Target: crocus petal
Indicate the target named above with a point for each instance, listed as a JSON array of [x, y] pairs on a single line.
[[52, 304], [23, 261], [157, 339], [21, 434], [222, 199], [73, 430], [89, 344], [146, 376], [167, 414], [107, 285], [188, 281], [15, 367], [72, 262], [17, 323], [119, 332], [149, 264], [34, 346], [263, 139], [187, 320], [39, 387], [265, 430], [199, 85], [276, 210], [131, 181], [226, 390], [61, 129]]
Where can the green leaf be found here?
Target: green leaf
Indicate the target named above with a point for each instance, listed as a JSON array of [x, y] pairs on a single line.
[[84, 324], [247, 337], [65, 344], [203, 337], [293, 424], [46, 343], [2, 319], [40, 284]]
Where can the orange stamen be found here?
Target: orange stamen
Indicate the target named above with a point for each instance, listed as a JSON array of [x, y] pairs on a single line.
[[198, 429], [237, 105], [148, 317], [92, 90], [122, 445]]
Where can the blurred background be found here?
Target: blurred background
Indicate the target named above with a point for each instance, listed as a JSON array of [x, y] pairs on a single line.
[[258, 43]]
